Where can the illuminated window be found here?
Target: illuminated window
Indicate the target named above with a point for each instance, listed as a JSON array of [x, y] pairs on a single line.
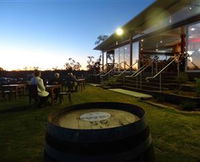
[[193, 47]]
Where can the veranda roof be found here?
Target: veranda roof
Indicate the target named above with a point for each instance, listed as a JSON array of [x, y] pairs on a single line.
[[144, 21]]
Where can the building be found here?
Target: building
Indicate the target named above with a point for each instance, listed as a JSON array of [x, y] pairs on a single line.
[[157, 47], [165, 29]]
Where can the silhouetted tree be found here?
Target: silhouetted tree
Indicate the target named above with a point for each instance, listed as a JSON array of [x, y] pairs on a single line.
[[72, 65], [1, 71], [101, 38], [93, 66]]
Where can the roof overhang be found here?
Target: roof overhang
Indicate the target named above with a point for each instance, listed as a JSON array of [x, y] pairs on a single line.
[[143, 21]]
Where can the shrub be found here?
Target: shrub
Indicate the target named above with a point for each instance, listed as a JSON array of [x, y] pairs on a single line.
[[111, 81], [160, 98], [182, 78], [188, 105], [197, 87]]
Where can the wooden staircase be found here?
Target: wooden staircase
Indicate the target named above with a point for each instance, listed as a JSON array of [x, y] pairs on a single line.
[[168, 81]]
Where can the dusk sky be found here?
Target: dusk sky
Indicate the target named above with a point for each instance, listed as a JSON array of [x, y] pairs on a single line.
[[45, 33]]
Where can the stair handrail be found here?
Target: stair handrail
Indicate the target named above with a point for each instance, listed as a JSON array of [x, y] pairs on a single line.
[[157, 74], [186, 56], [144, 67], [100, 73], [130, 66], [110, 70], [132, 75]]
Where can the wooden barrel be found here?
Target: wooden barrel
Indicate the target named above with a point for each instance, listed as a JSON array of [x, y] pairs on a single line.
[[98, 132]]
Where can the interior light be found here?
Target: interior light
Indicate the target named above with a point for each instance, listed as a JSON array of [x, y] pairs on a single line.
[[161, 41], [190, 52], [192, 29]]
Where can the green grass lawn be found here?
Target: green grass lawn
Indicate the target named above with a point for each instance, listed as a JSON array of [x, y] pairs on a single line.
[[176, 135]]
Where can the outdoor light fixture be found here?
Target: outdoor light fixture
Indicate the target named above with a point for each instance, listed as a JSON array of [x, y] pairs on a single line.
[[119, 31]]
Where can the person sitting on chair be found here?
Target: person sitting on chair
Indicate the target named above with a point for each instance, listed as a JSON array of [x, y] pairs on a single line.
[[71, 82], [56, 81], [37, 80]]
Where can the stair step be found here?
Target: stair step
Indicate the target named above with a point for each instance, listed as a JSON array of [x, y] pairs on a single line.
[[149, 87]]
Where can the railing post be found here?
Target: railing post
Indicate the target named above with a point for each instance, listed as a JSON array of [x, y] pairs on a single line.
[[141, 81], [156, 67], [136, 82], [160, 83], [123, 82], [178, 68]]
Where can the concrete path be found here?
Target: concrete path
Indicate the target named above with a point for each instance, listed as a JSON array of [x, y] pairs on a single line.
[[95, 85], [132, 93]]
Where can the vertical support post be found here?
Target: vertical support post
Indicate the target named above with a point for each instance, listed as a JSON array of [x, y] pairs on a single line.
[[102, 61], [131, 53], [106, 58], [140, 55], [183, 50]]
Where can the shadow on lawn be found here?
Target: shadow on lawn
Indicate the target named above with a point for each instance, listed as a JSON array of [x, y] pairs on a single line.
[[16, 109]]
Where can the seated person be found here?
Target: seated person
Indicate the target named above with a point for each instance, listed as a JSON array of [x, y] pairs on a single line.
[[71, 82], [37, 80], [55, 81]]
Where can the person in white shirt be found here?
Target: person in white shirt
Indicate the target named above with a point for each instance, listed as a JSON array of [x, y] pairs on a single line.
[[37, 80]]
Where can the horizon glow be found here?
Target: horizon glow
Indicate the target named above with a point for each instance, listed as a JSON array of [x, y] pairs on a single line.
[[45, 33]]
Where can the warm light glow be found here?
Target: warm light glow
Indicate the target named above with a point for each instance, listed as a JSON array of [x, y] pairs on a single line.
[[119, 31], [28, 59]]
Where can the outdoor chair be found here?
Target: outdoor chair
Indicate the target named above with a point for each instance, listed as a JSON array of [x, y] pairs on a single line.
[[64, 93], [33, 93], [7, 92]]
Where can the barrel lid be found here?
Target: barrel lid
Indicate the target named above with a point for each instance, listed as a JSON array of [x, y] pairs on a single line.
[[98, 113]]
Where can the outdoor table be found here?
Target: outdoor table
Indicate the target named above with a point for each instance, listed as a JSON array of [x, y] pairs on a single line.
[[15, 87], [50, 89], [81, 83]]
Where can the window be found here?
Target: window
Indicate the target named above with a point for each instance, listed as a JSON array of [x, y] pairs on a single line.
[[193, 47], [135, 54]]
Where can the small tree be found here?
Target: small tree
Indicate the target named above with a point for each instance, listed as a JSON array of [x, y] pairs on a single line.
[[93, 66], [72, 65], [1, 71], [100, 39]]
